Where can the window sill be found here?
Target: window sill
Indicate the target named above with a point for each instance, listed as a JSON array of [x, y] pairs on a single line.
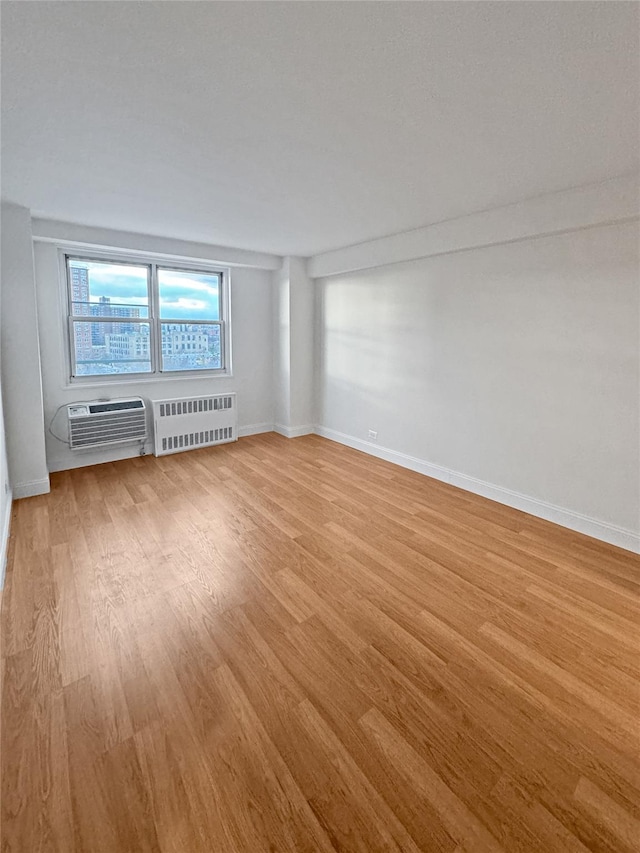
[[89, 382]]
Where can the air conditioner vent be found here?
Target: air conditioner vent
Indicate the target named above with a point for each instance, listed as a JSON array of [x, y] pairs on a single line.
[[106, 422]]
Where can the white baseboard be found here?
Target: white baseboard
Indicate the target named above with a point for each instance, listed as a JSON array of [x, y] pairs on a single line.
[[294, 432], [254, 429], [32, 488], [564, 517], [4, 542]]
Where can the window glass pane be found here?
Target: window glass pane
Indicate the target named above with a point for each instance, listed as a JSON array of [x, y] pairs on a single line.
[[111, 348], [100, 289], [189, 295], [191, 346]]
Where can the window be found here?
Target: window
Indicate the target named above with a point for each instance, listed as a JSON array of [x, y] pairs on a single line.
[[128, 318]]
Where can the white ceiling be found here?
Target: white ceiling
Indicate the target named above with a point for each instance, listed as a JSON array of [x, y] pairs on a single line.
[[299, 127]]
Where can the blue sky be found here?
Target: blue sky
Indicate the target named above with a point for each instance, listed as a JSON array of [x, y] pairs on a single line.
[[183, 295]]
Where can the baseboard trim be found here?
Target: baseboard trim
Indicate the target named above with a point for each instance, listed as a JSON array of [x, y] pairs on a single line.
[[294, 432], [254, 429], [32, 488], [609, 533], [4, 542]]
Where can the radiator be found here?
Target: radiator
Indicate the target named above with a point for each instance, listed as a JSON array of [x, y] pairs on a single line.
[[190, 422]]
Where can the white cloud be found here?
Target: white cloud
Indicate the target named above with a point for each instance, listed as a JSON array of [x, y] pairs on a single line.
[[106, 270], [177, 279], [184, 304]]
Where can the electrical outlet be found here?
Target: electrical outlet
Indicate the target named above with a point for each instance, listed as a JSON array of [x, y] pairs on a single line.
[[373, 434]]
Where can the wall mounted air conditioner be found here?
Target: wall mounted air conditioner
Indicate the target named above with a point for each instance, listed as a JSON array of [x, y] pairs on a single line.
[[190, 422], [105, 422]]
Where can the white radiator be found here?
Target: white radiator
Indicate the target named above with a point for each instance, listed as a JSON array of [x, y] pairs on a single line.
[[190, 422]]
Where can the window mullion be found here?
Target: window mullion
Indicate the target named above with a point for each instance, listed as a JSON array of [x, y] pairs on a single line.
[[72, 346], [154, 301]]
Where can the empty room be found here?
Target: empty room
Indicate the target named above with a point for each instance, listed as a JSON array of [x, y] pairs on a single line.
[[320, 427]]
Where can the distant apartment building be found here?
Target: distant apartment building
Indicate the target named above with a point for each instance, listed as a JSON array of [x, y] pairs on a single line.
[[80, 288], [104, 308], [80, 298], [127, 347], [183, 338]]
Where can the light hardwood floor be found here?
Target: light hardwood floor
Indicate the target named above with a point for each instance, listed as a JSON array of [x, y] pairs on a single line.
[[286, 645]]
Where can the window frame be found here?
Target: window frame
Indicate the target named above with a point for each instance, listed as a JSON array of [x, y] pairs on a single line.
[[153, 318]]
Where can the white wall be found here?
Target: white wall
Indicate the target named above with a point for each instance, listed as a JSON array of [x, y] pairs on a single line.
[[282, 347], [302, 347], [515, 365], [21, 382], [252, 359], [293, 366]]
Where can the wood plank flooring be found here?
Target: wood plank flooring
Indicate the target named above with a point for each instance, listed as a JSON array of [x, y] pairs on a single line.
[[286, 645]]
